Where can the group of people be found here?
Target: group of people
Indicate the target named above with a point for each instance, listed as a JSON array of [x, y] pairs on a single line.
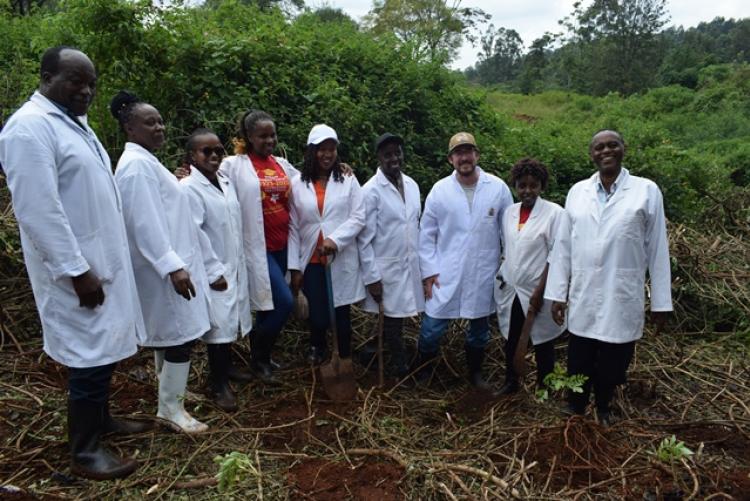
[[142, 258]]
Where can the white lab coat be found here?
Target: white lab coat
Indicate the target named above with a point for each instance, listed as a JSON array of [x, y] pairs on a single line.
[[525, 254], [462, 246], [242, 175], [217, 215], [389, 245], [342, 220], [163, 238], [603, 252], [70, 215]]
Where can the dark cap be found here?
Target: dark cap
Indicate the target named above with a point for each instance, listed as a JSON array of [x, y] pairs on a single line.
[[387, 138]]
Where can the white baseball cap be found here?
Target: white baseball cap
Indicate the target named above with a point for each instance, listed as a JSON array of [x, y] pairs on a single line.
[[320, 133]]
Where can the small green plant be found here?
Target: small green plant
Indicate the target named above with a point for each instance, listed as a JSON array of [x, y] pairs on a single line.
[[558, 380], [670, 450], [233, 467]]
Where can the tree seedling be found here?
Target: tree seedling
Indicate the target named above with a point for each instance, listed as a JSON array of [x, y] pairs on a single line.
[[233, 468], [671, 450], [558, 380]]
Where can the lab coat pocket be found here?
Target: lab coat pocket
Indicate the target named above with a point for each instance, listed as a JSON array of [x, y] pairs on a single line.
[[95, 253], [489, 232], [630, 296], [633, 226]]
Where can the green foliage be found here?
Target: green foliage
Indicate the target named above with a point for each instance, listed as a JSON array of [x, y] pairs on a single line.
[[233, 468], [670, 450], [558, 380], [203, 66]]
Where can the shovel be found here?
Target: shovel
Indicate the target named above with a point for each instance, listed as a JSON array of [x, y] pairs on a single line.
[[380, 343], [338, 374], [519, 357]]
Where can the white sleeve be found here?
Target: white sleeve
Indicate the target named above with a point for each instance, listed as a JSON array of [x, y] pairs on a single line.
[[368, 264], [346, 234], [657, 251], [211, 262], [144, 219], [428, 233], [30, 166], [293, 243], [558, 277]]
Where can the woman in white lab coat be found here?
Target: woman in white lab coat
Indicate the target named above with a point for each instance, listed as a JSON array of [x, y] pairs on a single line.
[[529, 229], [167, 255], [615, 232], [263, 182], [216, 212], [389, 249], [327, 215]]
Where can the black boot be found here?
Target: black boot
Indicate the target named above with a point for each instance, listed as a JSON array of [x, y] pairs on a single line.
[[87, 456], [260, 357], [123, 426], [368, 354], [219, 361], [474, 360], [424, 366], [392, 334]]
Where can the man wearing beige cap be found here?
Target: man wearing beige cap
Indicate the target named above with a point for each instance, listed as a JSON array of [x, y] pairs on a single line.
[[459, 255]]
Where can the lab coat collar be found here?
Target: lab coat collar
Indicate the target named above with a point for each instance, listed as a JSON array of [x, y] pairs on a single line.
[[383, 179], [483, 178], [201, 178], [137, 148], [54, 109], [515, 209]]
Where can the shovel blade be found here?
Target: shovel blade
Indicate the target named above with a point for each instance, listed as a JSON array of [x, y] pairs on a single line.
[[338, 379]]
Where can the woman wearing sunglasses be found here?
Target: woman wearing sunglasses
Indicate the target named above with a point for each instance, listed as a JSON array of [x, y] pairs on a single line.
[[167, 252], [216, 212]]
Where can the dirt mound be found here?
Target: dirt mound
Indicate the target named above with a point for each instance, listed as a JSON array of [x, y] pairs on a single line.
[[323, 480]]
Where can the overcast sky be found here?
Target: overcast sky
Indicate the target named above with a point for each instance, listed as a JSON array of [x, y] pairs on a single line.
[[531, 18]]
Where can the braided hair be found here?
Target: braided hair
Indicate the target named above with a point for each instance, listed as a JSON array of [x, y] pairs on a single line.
[[529, 167], [122, 105], [245, 126]]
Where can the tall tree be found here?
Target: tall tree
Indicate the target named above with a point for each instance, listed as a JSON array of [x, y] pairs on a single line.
[[500, 56], [435, 29], [617, 40]]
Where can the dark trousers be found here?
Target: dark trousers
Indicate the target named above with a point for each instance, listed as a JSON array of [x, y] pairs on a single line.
[[179, 354], [90, 384], [269, 323], [605, 364], [544, 353], [314, 286]]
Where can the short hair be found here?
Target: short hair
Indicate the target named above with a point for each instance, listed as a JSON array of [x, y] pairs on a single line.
[[529, 167], [122, 105], [613, 131], [192, 139], [245, 126], [51, 59]]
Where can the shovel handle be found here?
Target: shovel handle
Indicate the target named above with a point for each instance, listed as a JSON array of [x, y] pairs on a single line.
[[381, 314], [331, 308]]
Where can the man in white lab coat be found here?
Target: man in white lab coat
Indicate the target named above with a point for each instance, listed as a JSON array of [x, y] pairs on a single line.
[[459, 254], [614, 232], [388, 250], [76, 250]]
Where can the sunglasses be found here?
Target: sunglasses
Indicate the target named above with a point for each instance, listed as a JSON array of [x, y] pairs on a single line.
[[219, 150]]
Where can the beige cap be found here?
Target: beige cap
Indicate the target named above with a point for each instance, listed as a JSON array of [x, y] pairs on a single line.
[[460, 139]]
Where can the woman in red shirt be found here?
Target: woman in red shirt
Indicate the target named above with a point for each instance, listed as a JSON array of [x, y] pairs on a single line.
[[263, 183]]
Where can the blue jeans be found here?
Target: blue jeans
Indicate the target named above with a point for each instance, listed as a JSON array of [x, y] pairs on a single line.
[[268, 324], [271, 322], [433, 330]]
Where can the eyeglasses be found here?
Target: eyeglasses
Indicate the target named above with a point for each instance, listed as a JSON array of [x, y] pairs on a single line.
[[219, 150]]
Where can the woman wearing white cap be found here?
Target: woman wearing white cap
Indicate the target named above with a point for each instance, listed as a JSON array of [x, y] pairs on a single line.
[[327, 213]]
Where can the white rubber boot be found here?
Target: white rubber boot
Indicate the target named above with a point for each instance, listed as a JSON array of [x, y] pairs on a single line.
[[158, 361], [172, 383]]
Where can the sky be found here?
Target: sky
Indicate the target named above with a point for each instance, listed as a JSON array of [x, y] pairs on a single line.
[[532, 18]]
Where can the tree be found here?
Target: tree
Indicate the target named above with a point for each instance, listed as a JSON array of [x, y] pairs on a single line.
[[24, 7], [617, 42], [501, 56], [531, 77], [434, 29]]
